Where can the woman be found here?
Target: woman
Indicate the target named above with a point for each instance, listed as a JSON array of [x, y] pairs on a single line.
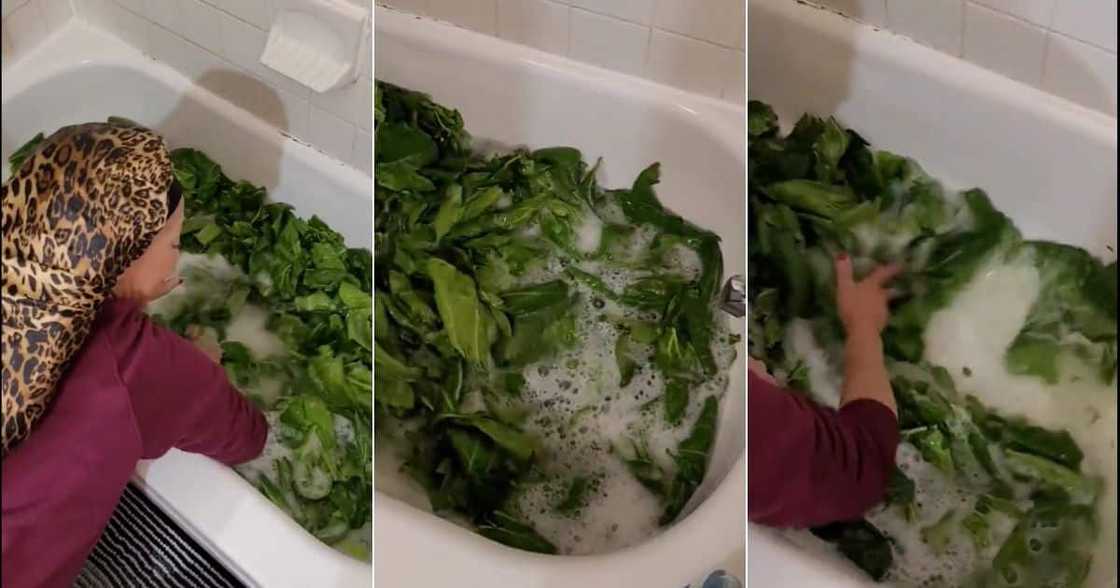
[[810, 465], [91, 225]]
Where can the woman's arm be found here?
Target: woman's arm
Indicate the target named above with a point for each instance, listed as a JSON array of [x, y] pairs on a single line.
[[180, 397], [810, 465], [863, 310]]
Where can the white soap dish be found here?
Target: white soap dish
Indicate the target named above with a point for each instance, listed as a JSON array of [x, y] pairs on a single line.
[[316, 42]]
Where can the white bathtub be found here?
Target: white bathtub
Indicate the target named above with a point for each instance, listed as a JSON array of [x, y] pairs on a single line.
[[1048, 163], [80, 75], [519, 96]]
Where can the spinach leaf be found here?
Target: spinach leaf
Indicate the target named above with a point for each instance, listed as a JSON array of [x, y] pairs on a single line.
[[504, 528], [761, 119], [199, 176], [15, 161], [576, 495], [468, 323], [485, 278], [1050, 546], [691, 459]]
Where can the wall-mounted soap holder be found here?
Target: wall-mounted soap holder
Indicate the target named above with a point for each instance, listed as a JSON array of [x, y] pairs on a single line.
[[316, 42]]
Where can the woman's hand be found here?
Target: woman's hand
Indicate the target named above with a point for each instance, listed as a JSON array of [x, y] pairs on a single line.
[[863, 305], [205, 343], [863, 309], [759, 369], [165, 287]]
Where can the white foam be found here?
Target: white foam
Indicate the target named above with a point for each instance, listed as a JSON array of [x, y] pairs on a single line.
[[589, 233], [265, 463], [200, 274], [579, 413], [248, 328], [824, 377], [975, 331]]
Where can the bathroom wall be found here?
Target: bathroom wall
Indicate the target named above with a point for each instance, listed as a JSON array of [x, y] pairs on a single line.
[[218, 43], [692, 44], [1065, 47], [27, 22]]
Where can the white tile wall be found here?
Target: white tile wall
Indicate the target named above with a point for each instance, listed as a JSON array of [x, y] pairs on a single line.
[[27, 22], [1081, 72], [538, 23], [480, 15], [1066, 47], [56, 12], [1091, 21], [218, 44], [722, 23], [637, 11], [26, 25], [672, 58], [610, 42], [697, 45], [873, 12], [1003, 43], [936, 23], [1036, 12]]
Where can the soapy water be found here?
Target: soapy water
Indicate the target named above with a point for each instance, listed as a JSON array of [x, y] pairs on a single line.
[[357, 542], [971, 336], [969, 339], [208, 275], [579, 413]]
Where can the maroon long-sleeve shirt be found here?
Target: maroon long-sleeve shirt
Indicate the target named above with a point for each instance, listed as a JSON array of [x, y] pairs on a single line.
[[810, 465], [134, 391]]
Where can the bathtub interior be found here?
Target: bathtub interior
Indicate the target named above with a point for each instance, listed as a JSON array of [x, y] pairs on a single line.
[[534, 100], [1047, 163], [82, 75]]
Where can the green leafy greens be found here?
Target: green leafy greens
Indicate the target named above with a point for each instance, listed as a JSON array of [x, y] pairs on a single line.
[[317, 295], [483, 268], [821, 189]]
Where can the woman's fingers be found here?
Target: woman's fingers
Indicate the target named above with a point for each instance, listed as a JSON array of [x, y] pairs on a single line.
[[843, 272], [759, 370], [883, 274], [168, 284], [879, 277]]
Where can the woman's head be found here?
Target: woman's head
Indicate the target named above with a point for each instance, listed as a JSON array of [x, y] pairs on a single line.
[[83, 208], [153, 274]]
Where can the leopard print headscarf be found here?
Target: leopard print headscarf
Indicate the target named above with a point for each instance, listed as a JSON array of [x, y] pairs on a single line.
[[81, 208]]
